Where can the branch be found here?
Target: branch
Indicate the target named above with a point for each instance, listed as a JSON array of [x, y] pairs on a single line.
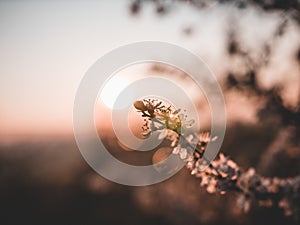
[[223, 174]]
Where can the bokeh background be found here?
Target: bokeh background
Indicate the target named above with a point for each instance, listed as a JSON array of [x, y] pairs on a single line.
[[253, 48]]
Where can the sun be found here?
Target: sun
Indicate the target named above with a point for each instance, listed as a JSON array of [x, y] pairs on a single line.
[[112, 90]]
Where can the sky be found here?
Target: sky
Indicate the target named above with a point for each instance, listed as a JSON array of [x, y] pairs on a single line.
[[46, 47]]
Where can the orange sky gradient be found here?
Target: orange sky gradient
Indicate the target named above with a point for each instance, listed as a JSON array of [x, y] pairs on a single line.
[[47, 48]]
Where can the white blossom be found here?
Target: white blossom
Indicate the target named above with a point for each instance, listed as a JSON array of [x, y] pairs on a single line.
[[181, 151]]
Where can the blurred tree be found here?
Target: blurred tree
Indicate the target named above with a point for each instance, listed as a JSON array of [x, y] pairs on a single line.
[[284, 147]]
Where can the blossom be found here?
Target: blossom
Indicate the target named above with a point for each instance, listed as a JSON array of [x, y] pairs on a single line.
[[222, 174], [181, 151]]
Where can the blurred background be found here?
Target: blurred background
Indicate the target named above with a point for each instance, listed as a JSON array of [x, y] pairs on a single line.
[[252, 47]]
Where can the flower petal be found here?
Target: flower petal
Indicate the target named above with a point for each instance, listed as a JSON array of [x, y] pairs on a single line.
[[176, 150], [183, 153], [162, 134]]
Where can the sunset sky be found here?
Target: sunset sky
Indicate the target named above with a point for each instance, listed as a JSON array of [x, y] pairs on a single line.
[[47, 46]]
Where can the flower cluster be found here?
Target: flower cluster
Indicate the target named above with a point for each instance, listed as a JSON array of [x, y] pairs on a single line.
[[170, 122], [285, 193], [223, 174], [220, 176]]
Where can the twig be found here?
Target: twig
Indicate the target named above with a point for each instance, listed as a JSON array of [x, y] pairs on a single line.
[[222, 175], [252, 188]]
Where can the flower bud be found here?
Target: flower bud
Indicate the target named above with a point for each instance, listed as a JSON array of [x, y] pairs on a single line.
[[140, 105]]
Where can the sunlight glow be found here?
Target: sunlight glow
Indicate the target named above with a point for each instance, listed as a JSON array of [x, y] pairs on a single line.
[[112, 89]]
